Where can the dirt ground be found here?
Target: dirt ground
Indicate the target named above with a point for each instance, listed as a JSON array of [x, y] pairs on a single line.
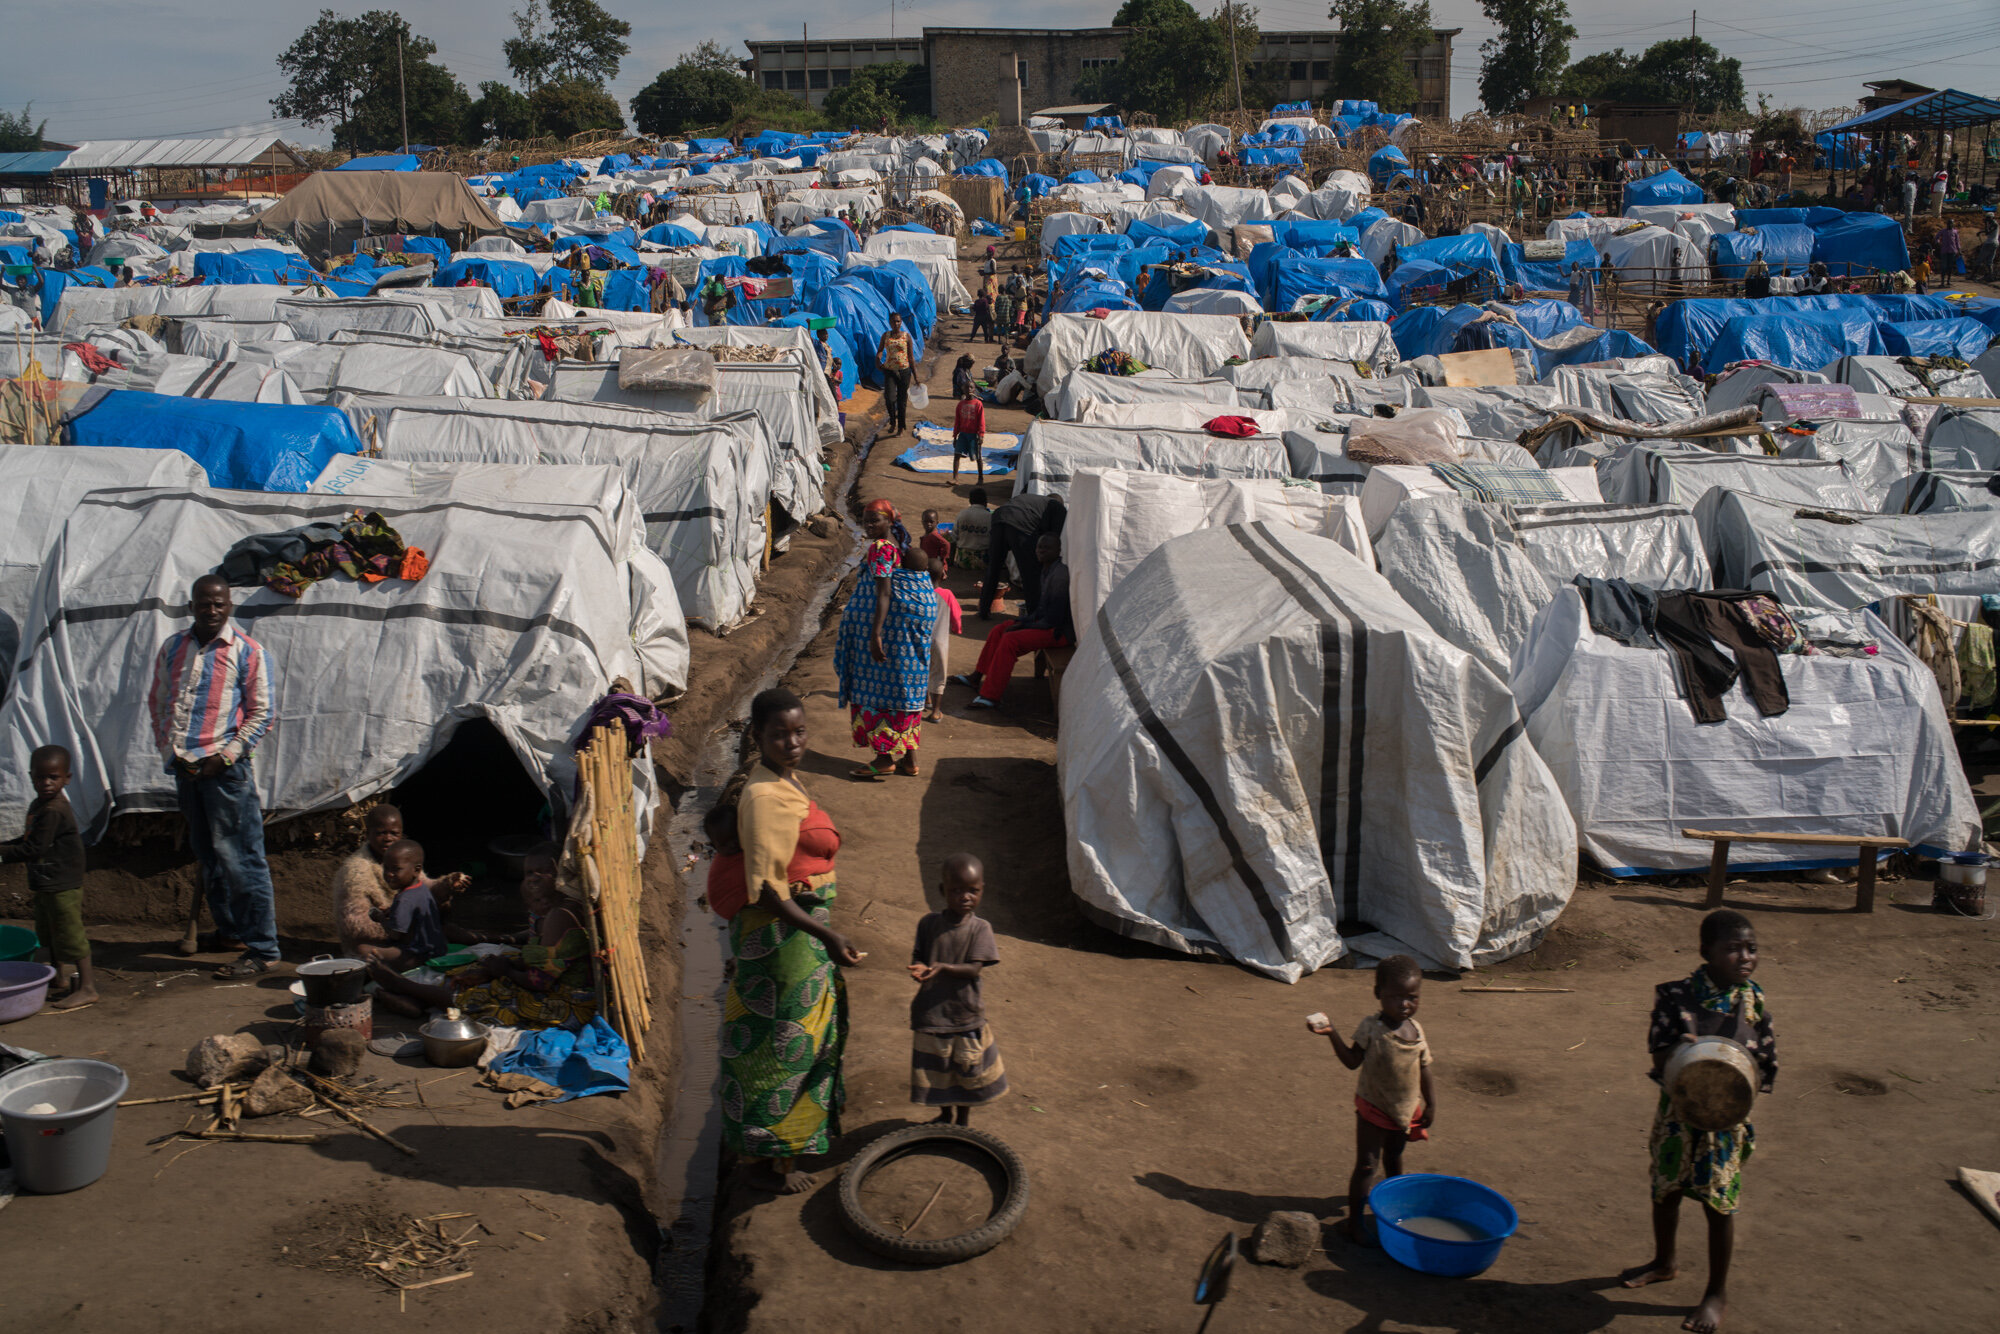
[[1161, 1101]]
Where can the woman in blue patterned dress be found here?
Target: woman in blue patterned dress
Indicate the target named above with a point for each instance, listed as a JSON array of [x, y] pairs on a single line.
[[883, 656]]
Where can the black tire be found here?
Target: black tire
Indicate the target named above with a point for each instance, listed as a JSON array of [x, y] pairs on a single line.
[[945, 1250]]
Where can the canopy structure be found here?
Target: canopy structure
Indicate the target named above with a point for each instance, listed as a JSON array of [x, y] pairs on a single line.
[[1946, 109], [330, 210]]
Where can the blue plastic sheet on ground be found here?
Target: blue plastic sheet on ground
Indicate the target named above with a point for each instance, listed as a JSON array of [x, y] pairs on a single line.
[[241, 446], [1962, 338], [932, 453], [981, 227], [1804, 340], [1669, 187], [383, 162], [1862, 240], [863, 317], [580, 1062], [1551, 275]]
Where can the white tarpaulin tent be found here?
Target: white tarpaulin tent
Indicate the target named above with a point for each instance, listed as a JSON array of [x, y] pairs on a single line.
[[39, 487], [1086, 386], [1053, 452], [321, 370], [1364, 341], [1889, 375], [940, 272], [1636, 393], [1850, 560], [198, 377], [1864, 748], [1877, 454], [1117, 519], [370, 680], [1962, 439], [1497, 412], [1643, 475], [507, 366], [1212, 301], [1927, 492], [701, 486], [1478, 573], [798, 346], [659, 632], [1280, 748], [1179, 416], [1192, 347]]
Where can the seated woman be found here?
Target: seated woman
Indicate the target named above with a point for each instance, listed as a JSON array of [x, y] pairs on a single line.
[[550, 985]]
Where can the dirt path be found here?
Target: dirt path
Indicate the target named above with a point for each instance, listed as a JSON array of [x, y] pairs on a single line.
[[1160, 1101]]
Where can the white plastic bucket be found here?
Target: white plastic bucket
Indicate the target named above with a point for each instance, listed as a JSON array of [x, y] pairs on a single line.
[[68, 1148]]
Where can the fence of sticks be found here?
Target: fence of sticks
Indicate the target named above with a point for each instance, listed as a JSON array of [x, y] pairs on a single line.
[[607, 845]]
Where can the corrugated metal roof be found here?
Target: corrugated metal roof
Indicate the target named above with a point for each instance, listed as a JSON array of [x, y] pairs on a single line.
[[1948, 108], [127, 154], [31, 164]]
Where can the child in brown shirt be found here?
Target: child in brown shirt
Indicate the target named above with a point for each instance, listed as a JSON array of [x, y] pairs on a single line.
[[52, 847], [954, 1063], [1393, 1100]]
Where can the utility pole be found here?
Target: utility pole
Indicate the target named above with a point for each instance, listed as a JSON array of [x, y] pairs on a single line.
[[402, 94], [1235, 69], [1693, 14]]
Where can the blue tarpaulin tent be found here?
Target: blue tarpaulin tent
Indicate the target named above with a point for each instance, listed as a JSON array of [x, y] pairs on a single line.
[[669, 233], [1038, 184], [1143, 230], [1293, 276], [1686, 329], [903, 285], [1112, 295], [1385, 162], [1816, 216], [1804, 340], [1962, 338], [383, 162], [1781, 246], [1358, 309], [1084, 177], [986, 166], [241, 267], [1468, 252], [863, 317], [1230, 277], [507, 277], [1857, 241], [242, 446], [1277, 156], [1669, 187], [837, 341], [1549, 275]]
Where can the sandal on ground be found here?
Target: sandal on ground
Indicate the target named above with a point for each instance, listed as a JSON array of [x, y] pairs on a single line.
[[868, 773], [966, 679], [247, 966], [910, 772]]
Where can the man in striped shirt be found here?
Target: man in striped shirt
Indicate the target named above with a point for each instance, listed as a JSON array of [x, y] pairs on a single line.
[[211, 705]]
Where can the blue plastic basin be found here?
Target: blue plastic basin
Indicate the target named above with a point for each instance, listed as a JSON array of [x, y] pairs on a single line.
[[1425, 1195]]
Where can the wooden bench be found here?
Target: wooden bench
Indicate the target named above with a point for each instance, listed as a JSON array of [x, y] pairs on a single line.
[[1052, 663], [1868, 847]]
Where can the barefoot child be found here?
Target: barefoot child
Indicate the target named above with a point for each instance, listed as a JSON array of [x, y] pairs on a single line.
[[954, 1063], [934, 543], [1393, 1100], [950, 621], [1718, 999], [53, 849]]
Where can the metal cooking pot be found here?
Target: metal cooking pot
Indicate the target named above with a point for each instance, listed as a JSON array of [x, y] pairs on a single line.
[[331, 981], [453, 1042], [1712, 1081]]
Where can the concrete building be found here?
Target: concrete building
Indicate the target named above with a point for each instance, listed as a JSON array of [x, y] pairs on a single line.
[[965, 65]]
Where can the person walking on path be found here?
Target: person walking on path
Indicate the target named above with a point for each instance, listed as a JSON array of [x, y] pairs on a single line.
[[898, 356], [883, 655], [211, 704]]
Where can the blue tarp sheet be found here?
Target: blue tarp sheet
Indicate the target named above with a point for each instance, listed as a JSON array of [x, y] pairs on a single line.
[[1781, 244], [832, 239], [863, 317], [1303, 232], [1962, 338], [383, 162], [668, 233], [1669, 187], [1421, 273], [1293, 276], [1466, 252], [710, 145], [986, 166], [592, 1059], [1816, 216], [1084, 177], [624, 236], [1089, 296], [242, 446], [1430, 331], [1803, 340], [246, 267], [810, 270], [1363, 309], [1546, 275], [836, 340], [1366, 218], [436, 247], [903, 285], [1078, 243], [1284, 156], [626, 289], [1038, 184], [1902, 307], [507, 277], [1142, 230], [1385, 162], [1685, 329], [1862, 240], [1125, 265]]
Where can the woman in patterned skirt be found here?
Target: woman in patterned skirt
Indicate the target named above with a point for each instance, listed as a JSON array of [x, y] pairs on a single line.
[[784, 1021], [883, 656]]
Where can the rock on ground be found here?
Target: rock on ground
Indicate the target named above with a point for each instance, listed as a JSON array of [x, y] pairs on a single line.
[[1287, 1238], [339, 1052], [276, 1091], [224, 1058]]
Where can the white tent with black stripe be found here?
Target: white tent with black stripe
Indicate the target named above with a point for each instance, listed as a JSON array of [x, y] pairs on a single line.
[[198, 377], [370, 680], [702, 487], [1285, 765], [1054, 452], [1924, 492]]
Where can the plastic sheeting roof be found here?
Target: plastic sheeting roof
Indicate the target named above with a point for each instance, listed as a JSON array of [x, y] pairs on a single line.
[[1947, 107], [129, 154]]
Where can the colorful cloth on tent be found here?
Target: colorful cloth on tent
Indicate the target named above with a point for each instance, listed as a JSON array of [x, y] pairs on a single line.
[[365, 547], [1501, 482], [784, 1031], [570, 997], [1111, 361]]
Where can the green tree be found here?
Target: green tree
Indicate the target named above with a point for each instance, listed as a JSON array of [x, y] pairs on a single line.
[[567, 40], [703, 89], [870, 98], [1175, 64], [344, 73], [1689, 71], [1593, 78], [564, 107], [328, 70], [1378, 39], [1527, 57], [500, 113], [20, 133]]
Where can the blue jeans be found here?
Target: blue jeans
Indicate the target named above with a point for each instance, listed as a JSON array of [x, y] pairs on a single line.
[[226, 827]]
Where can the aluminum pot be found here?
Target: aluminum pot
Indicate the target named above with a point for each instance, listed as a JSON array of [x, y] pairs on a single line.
[[1712, 1081], [453, 1042], [330, 981]]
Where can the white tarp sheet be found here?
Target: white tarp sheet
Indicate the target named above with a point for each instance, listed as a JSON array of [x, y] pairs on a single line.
[[1864, 748], [701, 486], [1478, 573], [1928, 492], [1877, 454], [1117, 519], [1179, 416], [1212, 301], [1223, 208], [1643, 475], [198, 377], [1364, 341], [370, 680], [659, 632], [1279, 746], [1053, 452], [1962, 440], [1888, 375], [1087, 386], [1638, 395], [1850, 561], [1192, 347], [321, 370]]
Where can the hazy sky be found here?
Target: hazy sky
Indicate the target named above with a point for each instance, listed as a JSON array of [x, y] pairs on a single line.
[[177, 67]]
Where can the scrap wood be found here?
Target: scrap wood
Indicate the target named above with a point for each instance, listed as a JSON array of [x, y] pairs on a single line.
[[197, 1096], [251, 1138], [926, 1209], [1983, 1187], [1531, 991], [318, 1086]]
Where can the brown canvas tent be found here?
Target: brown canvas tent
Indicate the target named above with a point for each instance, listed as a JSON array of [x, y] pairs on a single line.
[[330, 210]]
